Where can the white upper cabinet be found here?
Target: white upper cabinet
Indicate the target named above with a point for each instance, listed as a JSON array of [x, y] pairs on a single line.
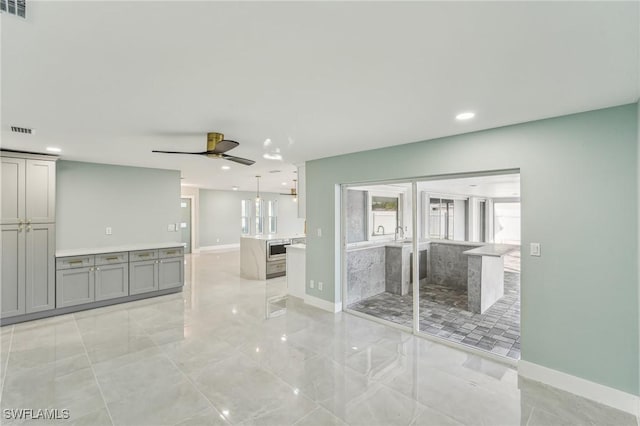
[[13, 184]]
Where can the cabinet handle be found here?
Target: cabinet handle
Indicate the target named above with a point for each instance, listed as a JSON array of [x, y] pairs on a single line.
[[160, 261], [172, 252], [28, 228], [97, 269], [112, 258], [19, 228], [144, 254], [73, 262], [90, 269]]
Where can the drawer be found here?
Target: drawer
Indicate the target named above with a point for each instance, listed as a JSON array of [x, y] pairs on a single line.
[[136, 256], [171, 252], [109, 258], [74, 262]]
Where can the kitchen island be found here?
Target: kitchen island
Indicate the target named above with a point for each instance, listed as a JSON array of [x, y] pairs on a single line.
[[485, 275], [264, 256]]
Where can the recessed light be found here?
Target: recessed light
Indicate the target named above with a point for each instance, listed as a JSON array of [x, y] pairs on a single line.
[[225, 167], [267, 142], [284, 183], [473, 186], [465, 115], [272, 156], [235, 188], [53, 149]]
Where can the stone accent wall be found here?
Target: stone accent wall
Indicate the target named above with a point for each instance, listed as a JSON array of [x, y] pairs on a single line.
[[356, 216], [449, 266], [365, 273]]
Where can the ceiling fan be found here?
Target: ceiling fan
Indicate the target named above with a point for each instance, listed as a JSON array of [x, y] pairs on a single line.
[[217, 145], [294, 190]]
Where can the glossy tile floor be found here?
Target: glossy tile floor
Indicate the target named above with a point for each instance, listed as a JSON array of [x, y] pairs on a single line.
[[208, 356]]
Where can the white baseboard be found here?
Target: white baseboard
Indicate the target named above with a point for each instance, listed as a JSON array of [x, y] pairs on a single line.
[[323, 304], [600, 393], [221, 247]]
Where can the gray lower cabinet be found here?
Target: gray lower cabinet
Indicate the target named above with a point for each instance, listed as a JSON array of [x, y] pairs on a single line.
[[75, 286], [143, 276], [112, 281], [171, 272]]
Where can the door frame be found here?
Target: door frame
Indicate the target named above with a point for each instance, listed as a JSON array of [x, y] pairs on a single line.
[[193, 224], [341, 250]]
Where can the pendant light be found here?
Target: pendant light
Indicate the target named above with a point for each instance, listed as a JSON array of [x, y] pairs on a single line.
[[257, 187]]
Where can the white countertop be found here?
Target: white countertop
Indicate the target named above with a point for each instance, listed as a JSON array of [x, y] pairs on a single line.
[[273, 236], [113, 249], [496, 250], [293, 247]]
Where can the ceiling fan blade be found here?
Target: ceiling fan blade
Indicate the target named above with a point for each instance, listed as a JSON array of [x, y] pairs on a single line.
[[181, 152], [239, 160], [224, 146]]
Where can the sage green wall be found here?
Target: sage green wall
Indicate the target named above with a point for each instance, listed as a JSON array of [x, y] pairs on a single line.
[[579, 200], [137, 203]]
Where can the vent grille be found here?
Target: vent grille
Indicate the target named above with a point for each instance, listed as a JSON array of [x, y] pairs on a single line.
[[14, 7], [22, 130]]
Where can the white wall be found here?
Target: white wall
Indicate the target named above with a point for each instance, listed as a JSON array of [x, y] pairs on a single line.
[[219, 215], [137, 203]]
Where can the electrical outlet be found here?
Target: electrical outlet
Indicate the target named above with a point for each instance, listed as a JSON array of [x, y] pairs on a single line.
[[312, 284], [534, 249], [108, 231], [320, 286]]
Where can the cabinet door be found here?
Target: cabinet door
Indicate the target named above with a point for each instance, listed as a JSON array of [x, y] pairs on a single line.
[[171, 272], [13, 271], [13, 187], [40, 267], [40, 191], [112, 281], [143, 276], [75, 286]]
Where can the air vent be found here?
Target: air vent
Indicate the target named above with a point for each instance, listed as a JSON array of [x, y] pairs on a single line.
[[14, 7], [22, 129]]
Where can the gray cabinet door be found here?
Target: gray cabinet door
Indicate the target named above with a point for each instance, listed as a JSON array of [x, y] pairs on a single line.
[[13, 187], [40, 191], [13, 271], [143, 276], [75, 286], [112, 281], [40, 267], [171, 272]]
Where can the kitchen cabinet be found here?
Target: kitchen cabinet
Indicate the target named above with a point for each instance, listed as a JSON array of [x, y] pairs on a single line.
[[75, 281], [171, 268], [143, 276], [28, 233], [112, 275]]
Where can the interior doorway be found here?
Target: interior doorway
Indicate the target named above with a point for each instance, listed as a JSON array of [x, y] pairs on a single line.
[[185, 224], [463, 287]]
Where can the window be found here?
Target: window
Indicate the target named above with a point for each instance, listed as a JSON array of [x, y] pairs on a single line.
[[272, 216], [259, 216], [441, 218], [385, 215], [245, 217]]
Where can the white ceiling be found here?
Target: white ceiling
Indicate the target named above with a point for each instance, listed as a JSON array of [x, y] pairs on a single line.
[[110, 81]]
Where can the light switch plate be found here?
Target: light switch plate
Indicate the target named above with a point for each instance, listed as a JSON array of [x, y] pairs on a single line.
[[108, 231], [311, 284], [319, 232], [320, 285], [171, 227], [534, 249]]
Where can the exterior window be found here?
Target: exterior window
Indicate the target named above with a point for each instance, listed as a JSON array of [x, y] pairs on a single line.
[[259, 216], [245, 216], [385, 215], [272, 216], [441, 219]]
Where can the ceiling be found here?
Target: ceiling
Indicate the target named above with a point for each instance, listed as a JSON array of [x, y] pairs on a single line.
[[110, 81]]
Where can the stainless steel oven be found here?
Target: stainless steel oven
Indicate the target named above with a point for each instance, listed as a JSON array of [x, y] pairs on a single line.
[[277, 249]]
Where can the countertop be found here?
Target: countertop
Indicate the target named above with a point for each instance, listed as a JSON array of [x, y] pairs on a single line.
[[113, 249], [496, 250], [267, 237], [292, 247]]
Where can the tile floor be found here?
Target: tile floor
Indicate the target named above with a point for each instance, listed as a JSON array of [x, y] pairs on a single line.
[[208, 356], [443, 313]]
